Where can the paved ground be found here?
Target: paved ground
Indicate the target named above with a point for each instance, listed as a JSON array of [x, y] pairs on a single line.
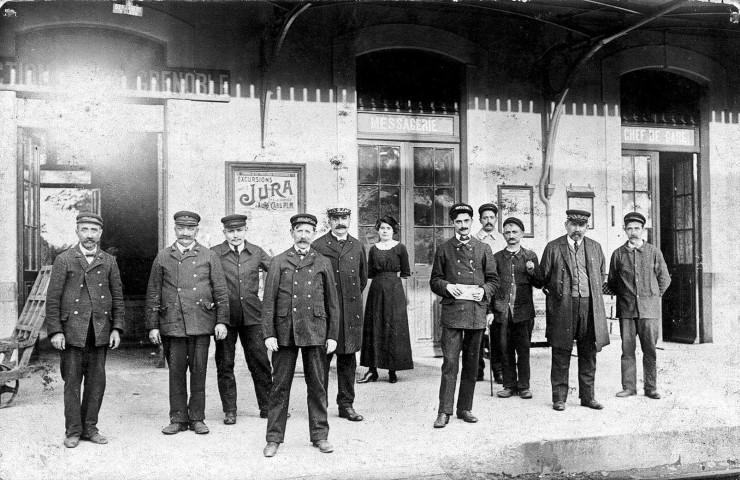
[[698, 420]]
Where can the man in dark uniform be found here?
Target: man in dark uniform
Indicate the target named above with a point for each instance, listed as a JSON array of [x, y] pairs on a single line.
[[84, 316], [299, 311], [573, 271], [241, 262], [186, 302], [488, 213], [464, 275], [349, 264], [639, 276], [518, 270]]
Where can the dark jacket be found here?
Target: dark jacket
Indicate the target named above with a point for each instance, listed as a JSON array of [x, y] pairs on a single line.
[[556, 275], [243, 281], [471, 264], [349, 265], [80, 292], [187, 293], [521, 284], [300, 303], [639, 277]]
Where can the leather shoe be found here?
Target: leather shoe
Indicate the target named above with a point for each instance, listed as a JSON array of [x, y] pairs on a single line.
[[72, 442], [626, 393], [506, 393], [592, 404], [270, 449], [230, 418], [442, 420], [370, 376], [652, 394], [350, 414], [466, 416], [96, 438], [199, 427], [392, 378], [324, 446], [174, 428], [498, 378], [525, 394], [558, 406]]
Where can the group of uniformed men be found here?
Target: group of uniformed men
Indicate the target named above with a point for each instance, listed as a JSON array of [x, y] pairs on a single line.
[[313, 303]]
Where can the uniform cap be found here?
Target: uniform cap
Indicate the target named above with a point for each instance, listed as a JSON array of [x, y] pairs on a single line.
[[89, 217], [514, 221], [303, 218], [579, 217], [338, 211], [488, 206], [634, 217], [234, 221], [459, 208], [187, 219]]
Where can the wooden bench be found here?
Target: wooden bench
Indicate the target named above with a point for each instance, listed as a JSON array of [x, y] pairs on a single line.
[[16, 350]]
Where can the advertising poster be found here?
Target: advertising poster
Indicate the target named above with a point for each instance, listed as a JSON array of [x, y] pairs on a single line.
[[269, 194]]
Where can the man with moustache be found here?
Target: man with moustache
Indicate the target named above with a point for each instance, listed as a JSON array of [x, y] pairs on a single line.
[[488, 213], [84, 317], [638, 275], [464, 275], [518, 271], [299, 311], [349, 264], [241, 262], [573, 271], [186, 302]]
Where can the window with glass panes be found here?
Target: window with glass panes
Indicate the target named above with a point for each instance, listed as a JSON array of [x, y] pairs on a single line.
[[435, 191], [637, 188], [379, 188]]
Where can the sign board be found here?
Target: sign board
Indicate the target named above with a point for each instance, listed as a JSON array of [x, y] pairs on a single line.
[[128, 9], [268, 194], [388, 123], [659, 136]]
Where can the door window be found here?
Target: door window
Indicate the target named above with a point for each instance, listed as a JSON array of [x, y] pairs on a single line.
[[379, 188]]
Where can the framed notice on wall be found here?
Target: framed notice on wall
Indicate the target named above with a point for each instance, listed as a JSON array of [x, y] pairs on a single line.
[[268, 194], [516, 201]]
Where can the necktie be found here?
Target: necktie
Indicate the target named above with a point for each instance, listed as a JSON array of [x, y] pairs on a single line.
[[464, 238], [185, 251], [89, 255], [575, 246], [236, 250]]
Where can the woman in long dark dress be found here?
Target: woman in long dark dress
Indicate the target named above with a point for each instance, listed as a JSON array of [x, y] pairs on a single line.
[[385, 341]]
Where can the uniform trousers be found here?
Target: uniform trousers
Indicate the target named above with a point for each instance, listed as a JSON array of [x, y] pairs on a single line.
[[283, 362], [255, 353], [647, 330], [183, 354], [346, 367], [455, 340], [582, 325], [76, 364], [515, 341]]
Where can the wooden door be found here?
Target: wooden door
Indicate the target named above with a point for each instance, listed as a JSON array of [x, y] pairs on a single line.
[[416, 183], [679, 245]]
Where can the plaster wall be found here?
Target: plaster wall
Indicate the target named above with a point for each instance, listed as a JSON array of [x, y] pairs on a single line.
[[8, 212]]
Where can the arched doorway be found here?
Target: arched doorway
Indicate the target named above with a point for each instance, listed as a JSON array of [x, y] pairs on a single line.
[[661, 147], [409, 162]]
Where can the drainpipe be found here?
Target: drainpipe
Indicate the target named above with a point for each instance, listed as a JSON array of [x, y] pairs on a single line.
[[546, 188]]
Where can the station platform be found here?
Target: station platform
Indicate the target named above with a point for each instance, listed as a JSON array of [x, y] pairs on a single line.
[[697, 422]]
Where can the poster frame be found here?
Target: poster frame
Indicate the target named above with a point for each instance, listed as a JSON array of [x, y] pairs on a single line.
[[504, 193]]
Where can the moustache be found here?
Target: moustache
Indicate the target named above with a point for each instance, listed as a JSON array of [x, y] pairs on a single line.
[[302, 240], [341, 225]]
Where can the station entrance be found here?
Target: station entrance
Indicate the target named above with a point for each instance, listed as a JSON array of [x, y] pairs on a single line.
[[660, 179]]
